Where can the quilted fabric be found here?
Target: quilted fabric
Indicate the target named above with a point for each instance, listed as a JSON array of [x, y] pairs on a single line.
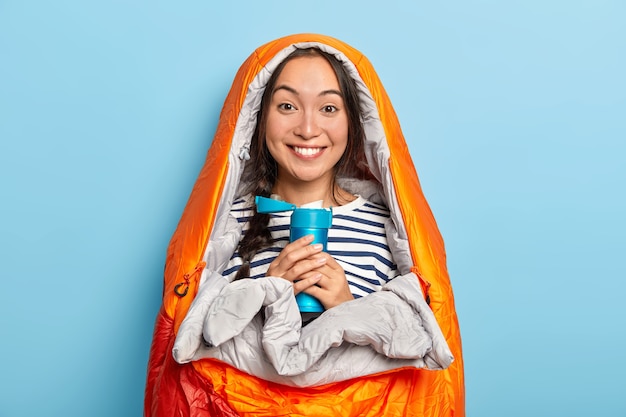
[[223, 323]]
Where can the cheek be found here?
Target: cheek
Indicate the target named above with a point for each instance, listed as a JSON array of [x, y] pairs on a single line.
[[271, 147], [340, 133], [273, 129]]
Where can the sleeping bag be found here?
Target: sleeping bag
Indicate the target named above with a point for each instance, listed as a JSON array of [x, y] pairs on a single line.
[[238, 348]]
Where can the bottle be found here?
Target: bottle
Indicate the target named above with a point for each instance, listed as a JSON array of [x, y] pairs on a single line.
[[305, 220]]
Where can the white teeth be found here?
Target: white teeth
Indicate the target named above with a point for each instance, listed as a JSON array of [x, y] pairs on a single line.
[[306, 151]]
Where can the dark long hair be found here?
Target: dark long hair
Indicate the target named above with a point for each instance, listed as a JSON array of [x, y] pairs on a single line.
[[262, 177]]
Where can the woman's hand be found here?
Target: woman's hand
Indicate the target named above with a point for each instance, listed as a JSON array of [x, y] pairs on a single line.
[[296, 260], [332, 287], [312, 271]]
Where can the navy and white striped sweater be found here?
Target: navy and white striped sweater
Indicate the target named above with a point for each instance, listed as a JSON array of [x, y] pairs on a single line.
[[357, 240]]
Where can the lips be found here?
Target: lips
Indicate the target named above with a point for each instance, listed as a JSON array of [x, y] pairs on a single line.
[[306, 151]]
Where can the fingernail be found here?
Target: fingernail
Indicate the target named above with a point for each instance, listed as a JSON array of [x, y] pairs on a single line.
[[318, 246], [321, 260]]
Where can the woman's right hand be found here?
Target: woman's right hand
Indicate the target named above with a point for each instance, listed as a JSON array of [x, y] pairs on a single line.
[[297, 263]]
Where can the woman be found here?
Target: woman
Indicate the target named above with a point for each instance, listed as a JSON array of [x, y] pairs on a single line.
[[325, 131], [309, 134]]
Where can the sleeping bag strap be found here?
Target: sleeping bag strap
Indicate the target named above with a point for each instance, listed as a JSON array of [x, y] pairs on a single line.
[[181, 289]]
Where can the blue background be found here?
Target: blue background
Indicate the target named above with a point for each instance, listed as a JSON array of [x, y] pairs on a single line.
[[515, 113]]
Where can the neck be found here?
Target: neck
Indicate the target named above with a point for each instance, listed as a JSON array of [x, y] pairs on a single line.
[[304, 193]]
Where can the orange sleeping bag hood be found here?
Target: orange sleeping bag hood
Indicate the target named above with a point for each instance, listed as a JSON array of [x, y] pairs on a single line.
[[209, 387]]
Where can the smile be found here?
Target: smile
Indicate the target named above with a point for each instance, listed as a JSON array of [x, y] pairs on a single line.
[[307, 151]]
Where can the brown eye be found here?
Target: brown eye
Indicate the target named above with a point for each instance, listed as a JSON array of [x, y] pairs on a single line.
[[286, 106], [329, 109]]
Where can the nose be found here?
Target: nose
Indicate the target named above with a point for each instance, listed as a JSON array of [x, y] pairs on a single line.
[[308, 126]]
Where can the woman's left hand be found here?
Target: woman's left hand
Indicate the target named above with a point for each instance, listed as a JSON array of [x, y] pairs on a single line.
[[332, 287]]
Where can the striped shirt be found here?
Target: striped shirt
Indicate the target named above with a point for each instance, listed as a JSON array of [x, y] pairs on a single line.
[[357, 240]]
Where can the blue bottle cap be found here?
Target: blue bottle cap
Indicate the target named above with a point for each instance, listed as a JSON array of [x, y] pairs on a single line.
[[269, 205], [313, 218]]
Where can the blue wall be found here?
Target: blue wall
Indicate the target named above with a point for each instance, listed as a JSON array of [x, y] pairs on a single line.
[[515, 113]]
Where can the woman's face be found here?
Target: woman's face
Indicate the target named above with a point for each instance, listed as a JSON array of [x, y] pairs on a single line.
[[307, 123]]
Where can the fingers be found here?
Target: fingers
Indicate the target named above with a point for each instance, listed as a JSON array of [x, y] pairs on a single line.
[[330, 263], [312, 271], [332, 288], [308, 280], [301, 268], [296, 258], [330, 296]]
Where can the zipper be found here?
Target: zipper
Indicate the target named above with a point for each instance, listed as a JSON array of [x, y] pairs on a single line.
[[182, 288]]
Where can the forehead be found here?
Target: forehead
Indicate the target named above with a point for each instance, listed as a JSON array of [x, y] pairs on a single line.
[[312, 71]]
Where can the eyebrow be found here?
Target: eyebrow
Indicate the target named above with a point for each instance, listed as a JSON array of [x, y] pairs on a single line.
[[292, 90]]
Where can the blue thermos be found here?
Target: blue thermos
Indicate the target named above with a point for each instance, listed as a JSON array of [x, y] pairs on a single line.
[[304, 221]]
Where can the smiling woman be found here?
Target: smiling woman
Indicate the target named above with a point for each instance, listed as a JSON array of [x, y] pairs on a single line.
[[311, 107], [307, 130], [307, 123]]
